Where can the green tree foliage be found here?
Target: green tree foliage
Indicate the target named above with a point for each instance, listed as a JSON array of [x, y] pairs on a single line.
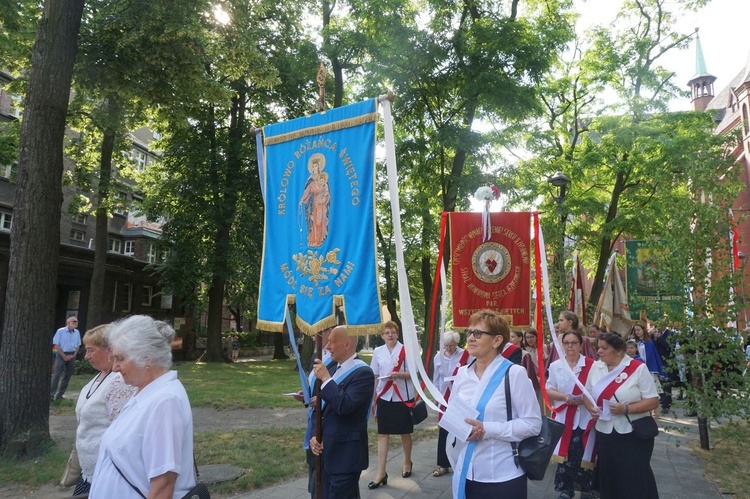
[[207, 187], [134, 56], [611, 149], [451, 66]]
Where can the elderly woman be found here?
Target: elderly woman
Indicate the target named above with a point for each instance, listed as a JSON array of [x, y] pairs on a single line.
[[446, 365], [485, 466], [148, 449], [392, 391], [622, 388], [568, 400], [98, 404]]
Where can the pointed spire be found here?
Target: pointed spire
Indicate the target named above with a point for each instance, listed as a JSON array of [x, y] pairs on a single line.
[[700, 62]]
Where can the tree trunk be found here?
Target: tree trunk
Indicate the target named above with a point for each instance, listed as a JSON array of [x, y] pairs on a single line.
[[101, 243], [35, 236], [225, 207], [278, 346], [214, 344], [605, 246]]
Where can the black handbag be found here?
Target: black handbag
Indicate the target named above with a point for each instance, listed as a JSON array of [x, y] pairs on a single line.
[[419, 412], [533, 454], [643, 428]]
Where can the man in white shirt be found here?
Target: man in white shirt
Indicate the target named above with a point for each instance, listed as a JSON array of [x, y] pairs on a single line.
[[66, 342]]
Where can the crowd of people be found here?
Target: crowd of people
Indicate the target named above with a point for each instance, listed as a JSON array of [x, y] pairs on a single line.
[[135, 430]]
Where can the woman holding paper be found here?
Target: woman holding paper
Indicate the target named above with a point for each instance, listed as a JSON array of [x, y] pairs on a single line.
[[623, 388], [393, 391], [485, 466], [576, 445]]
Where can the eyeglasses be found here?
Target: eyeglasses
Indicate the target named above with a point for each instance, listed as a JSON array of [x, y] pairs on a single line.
[[571, 343], [477, 333]]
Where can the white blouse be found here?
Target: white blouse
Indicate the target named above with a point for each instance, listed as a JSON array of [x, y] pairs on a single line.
[[637, 387], [98, 404], [444, 367], [383, 363], [561, 380], [152, 436], [493, 461]]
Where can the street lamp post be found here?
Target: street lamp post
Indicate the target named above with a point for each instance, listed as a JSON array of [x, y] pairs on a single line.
[[561, 182]]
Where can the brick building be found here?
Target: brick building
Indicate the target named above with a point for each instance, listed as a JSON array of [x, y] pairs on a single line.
[[731, 111], [131, 286]]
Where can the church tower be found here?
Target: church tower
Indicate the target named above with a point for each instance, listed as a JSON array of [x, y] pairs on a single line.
[[702, 84]]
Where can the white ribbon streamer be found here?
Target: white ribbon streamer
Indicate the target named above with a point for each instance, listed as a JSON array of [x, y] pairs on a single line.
[[550, 320], [411, 343]]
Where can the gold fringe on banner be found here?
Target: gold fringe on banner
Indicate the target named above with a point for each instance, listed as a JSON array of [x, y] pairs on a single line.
[[321, 129], [321, 325]]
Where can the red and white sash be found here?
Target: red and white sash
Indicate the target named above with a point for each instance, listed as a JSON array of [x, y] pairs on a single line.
[[604, 389], [566, 414], [509, 349], [390, 383], [461, 362]]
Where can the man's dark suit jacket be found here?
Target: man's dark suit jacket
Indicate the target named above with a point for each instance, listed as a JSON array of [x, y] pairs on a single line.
[[345, 422]]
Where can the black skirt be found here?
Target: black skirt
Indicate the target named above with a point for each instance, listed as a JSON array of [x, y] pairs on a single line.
[[625, 466], [394, 418]]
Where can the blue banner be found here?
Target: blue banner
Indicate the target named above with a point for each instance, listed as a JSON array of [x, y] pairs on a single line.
[[319, 238]]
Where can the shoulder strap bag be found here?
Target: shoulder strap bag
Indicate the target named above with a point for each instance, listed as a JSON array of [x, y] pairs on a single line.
[[533, 454]]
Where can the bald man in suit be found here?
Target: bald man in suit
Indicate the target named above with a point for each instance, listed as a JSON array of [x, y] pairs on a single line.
[[345, 397]]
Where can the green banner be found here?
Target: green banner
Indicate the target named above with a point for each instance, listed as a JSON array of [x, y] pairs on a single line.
[[651, 293]]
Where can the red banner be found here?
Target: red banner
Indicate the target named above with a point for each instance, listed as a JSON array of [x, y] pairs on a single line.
[[493, 274]]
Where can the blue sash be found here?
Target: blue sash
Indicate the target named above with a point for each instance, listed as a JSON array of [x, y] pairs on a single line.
[[497, 378], [311, 385], [339, 376]]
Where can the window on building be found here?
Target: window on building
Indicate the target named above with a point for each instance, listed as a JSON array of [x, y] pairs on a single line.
[[123, 297], [115, 245], [151, 256], [129, 248], [745, 124], [140, 158], [77, 235], [81, 218], [121, 203], [8, 171], [147, 295], [6, 220]]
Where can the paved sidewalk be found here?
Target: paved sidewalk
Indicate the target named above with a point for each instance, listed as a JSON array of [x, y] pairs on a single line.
[[678, 473]]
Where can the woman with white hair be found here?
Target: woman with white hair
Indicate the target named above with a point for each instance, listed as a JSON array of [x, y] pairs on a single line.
[[148, 449], [446, 366]]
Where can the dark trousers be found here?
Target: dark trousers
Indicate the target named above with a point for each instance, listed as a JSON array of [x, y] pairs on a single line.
[[62, 369], [512, 489], [665, 399], [442, 456], [341, 485]]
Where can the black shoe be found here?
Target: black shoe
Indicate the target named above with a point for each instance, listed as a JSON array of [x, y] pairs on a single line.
[[375, 485], [407, 474]]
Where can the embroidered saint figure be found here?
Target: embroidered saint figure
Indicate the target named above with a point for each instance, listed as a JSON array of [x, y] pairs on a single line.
[[316, 200]]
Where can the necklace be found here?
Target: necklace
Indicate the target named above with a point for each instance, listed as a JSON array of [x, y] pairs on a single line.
[[90, 393]]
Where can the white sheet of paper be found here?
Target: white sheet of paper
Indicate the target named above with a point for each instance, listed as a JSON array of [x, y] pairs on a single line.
[[387, 376], [606, 414], [290, 394], [454, 416]]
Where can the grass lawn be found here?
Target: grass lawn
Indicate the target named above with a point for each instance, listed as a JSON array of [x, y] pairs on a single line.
[[268, 456], [728, 463]]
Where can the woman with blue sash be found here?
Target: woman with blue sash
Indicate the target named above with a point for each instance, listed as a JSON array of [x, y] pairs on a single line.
[[484, 466]]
